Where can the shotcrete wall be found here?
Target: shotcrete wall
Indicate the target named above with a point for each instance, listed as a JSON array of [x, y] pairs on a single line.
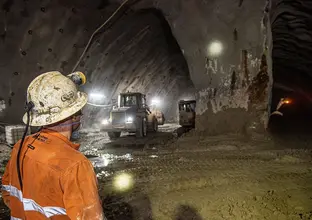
[[232, 89], [292, 36], [225, 85], [135, 52]]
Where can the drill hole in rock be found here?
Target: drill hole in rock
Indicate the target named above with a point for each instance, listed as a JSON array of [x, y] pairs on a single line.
[[16, 73], [50, 50], [24, 53], [61, 30], [30, 32], [82, 64], [43, 9], [24, 13]]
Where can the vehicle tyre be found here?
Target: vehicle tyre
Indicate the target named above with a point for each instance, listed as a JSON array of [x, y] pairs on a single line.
[[155, 125], [139, 128], [144, 126], [162, 122], [193, 125], [113, 135]]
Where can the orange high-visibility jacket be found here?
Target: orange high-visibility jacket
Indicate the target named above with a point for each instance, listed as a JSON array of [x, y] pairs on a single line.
[[58, 181]]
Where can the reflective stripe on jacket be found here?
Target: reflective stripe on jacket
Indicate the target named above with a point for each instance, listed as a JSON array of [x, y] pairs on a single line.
[[58, 181]]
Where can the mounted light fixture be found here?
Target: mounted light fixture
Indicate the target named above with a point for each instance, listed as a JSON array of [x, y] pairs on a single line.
[[215, 49], [156, 101]]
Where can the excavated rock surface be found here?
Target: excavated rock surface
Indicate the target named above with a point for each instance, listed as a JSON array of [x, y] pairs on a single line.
[[292, 36], [35, 39], [135, 53], [138, 54], [38, 36], [291, 29], [222, 83]]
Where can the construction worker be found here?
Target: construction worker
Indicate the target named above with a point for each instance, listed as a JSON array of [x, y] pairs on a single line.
[[57, 181]]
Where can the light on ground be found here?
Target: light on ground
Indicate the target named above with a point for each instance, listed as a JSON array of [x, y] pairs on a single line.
[[105, 161], [123, 182], [215, 48]]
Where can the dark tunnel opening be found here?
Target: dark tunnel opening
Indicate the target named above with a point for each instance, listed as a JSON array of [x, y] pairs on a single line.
[[291, 104], [143, 56]]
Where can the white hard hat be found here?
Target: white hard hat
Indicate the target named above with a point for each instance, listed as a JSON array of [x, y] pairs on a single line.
[[55, 97]]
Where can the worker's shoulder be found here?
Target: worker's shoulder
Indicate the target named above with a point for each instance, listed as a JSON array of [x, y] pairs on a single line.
[[67, 159], [57, 153], [67, 150], [77, 161]]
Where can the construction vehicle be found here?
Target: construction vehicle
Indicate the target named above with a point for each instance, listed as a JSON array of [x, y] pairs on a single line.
[[154, 106], [159, 116], [187, 113], [130, 115]]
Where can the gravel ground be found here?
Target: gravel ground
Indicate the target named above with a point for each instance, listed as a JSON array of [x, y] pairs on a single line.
[[199, 177]]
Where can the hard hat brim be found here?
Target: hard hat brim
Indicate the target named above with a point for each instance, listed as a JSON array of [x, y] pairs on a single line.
[[38, 120]]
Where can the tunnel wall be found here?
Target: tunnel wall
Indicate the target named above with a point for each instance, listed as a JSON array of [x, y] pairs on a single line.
[[36, 37], [135, 53], [292, 36], [232, 90], [138, 54], [225, 86]]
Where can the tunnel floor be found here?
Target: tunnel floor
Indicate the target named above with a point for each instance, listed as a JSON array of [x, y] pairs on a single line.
[[200, 177]]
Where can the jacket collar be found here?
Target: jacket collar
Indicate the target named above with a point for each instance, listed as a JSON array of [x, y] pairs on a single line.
[[62, 137]]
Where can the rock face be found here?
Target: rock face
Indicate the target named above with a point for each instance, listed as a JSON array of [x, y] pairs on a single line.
[[224, 82], [291, 31], [137, 52]]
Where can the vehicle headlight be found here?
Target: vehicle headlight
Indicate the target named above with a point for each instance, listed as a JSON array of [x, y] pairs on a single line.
[[129, 120], [105, 122]]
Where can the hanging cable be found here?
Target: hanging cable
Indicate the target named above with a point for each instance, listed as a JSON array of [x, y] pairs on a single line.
[[102, 106], [29, 107], [95, 32]]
